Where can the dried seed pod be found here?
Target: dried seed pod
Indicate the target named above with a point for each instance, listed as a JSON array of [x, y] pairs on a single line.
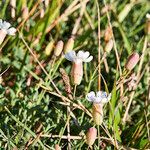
[[97, 113], [132, 82], [77, 73], [108, 34], [109, 46], [58, 48], [91, 136], [66, 80], [132, 61], [69, 45]]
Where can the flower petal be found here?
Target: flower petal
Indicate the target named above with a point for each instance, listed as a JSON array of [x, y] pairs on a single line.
[[99, 93], [104, 100], [86, 55], [148, 16], [104, 95], [97, 100], [88, 59], [91, 96], [6, 25], [1, 23], [109, 97], [70, 56], [80, 54], [11, 31]]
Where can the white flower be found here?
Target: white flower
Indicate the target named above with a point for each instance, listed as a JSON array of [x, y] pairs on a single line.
[[6, 27], [148, 16], [81, 56], [99, 97]]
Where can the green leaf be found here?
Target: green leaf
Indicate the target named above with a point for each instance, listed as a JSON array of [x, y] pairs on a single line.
[[112, 105], [48, 18]]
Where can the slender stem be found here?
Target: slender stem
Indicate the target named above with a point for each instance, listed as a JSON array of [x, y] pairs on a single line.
[[138, 74], [24, 126], [68, 127], [64, 129], [99, 52], [74, 92], [98, 136], [34, 56], [114, 42]]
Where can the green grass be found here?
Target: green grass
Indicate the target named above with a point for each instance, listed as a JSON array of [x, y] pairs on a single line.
[[34, 106]]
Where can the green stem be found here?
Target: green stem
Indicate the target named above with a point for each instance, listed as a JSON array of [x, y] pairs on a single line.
[[24, 126], [98, 136], [74, 93]]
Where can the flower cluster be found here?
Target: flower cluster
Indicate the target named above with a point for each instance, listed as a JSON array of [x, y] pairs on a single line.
[[97, 98]]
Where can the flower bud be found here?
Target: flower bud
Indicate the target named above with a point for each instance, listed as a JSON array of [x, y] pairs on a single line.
[[1, 80], [49, 48], [109, 46], [97, 113], [46, 3], [69, 45], [25, 12], [2, 35], [13, 5], [77, 73], [59, 48], [132, 61], [108, 34], [57, 147], [42, 12], [91, 136], [147, 27]]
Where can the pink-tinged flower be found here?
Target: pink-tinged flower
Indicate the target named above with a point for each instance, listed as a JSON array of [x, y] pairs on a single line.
[[77, 68], [91, 136], [98, 99], [132, 61], [5, 28]]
